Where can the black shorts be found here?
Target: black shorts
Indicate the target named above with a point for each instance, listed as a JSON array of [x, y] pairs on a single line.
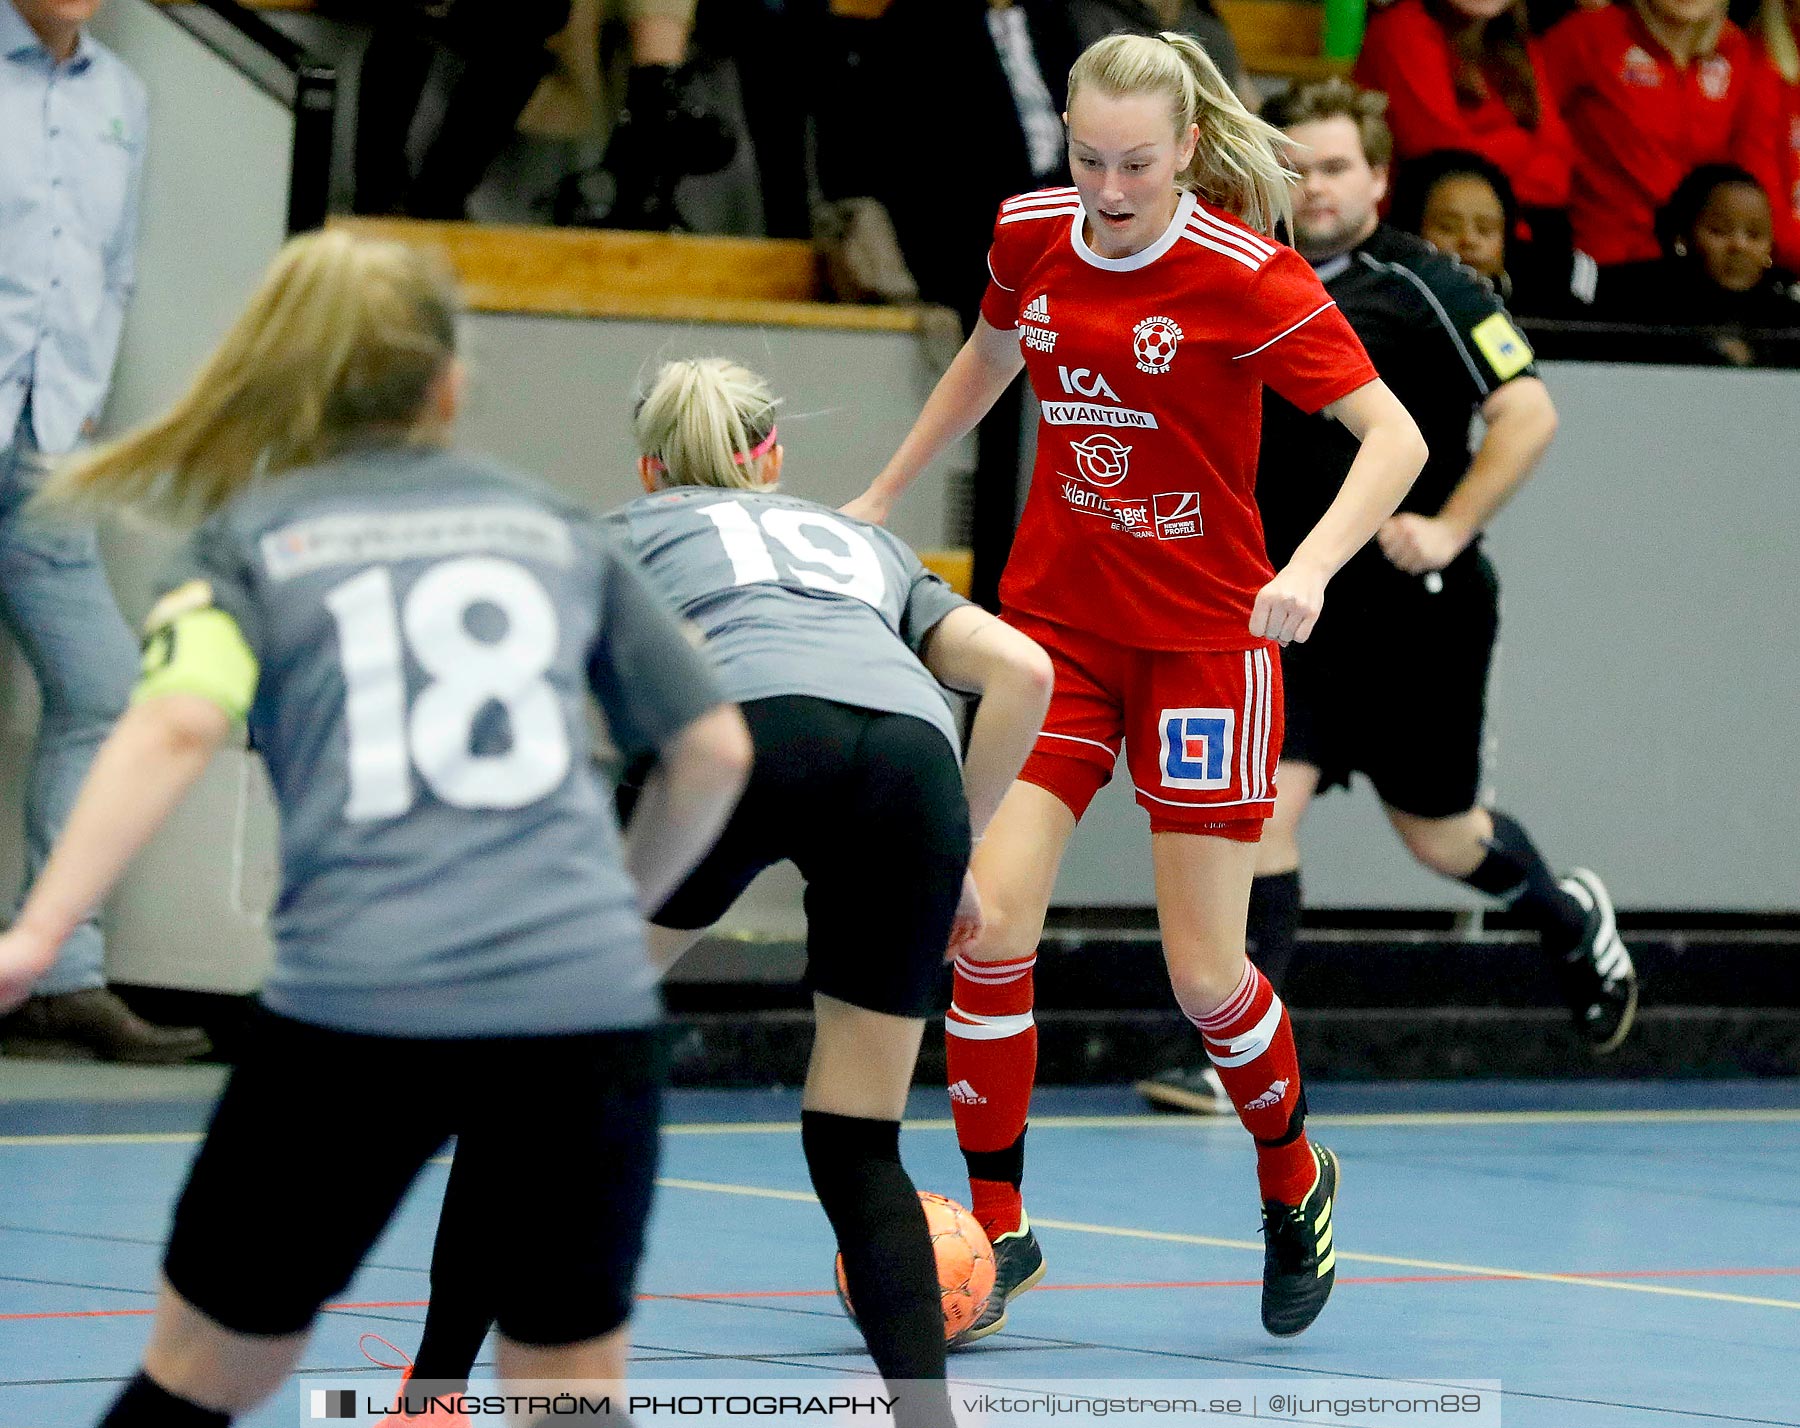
[[870, 808], [320, 1133], [1393, 685]]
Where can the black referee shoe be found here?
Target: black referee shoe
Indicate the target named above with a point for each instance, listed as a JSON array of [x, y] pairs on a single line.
[[1599, 981], [1299, 1261]]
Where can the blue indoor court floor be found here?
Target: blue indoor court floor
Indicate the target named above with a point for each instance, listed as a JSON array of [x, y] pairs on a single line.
[[1614, 1255]]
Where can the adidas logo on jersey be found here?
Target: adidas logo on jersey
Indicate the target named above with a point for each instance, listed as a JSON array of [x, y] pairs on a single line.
[[1269, 1098], [966, 1095], [1038, 309]]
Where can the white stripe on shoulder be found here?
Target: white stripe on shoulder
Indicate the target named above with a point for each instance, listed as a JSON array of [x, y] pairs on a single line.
[[1025, 214], [1229, 239], [1257, 242], [1237, 255], [1284, 332], [1037, 196], [1246, 240]]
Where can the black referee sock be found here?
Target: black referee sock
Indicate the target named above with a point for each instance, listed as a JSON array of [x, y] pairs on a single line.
[[145, 1404], [1516, 873], [889, 1269], [1274, 925]]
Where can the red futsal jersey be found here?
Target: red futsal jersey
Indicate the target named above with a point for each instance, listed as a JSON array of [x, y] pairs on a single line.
[[1642, 122], [1141, 524]]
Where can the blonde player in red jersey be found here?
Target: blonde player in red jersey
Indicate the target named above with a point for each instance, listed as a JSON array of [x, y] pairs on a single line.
[[1149, 316]]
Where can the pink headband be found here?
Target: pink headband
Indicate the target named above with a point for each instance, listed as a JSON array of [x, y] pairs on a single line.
[[742, 458]]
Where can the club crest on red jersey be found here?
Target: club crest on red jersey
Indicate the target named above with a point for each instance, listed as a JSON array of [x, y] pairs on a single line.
[[1153, 343], [1715, 77], [1102, 459], [1640, 70]]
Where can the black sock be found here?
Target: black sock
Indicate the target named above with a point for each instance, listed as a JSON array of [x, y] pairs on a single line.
[[1006, 1166], [462, 1295], [145, 1404], [1274, 924], [1516, 873], [889, 1269]]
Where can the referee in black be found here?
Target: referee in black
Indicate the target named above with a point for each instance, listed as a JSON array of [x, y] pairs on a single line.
[[1393, 682]]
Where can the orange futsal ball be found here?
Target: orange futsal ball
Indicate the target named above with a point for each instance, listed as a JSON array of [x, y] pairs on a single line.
[[965, 1263]]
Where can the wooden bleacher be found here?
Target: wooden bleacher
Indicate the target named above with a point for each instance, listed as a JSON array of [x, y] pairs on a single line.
[[663, 277]]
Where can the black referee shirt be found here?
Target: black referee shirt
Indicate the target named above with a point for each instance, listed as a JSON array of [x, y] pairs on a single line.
[[1440, 338]]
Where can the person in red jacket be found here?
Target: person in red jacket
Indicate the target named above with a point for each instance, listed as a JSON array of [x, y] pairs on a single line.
[[1778, 34], [1652, 89], [1463, 74]]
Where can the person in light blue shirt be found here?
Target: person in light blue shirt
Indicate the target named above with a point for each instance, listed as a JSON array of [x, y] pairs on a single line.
[[73, 120]]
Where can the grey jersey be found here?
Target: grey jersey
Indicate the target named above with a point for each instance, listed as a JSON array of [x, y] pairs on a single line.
[[796, 598], [428, 627]]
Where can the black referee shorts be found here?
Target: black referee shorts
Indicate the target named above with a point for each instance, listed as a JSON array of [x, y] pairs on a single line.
[[870, 808], [1393, 685], [320, 1133]]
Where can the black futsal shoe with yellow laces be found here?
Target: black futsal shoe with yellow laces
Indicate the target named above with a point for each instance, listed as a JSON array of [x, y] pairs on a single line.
[[1018, 1265], [1299, 1262]]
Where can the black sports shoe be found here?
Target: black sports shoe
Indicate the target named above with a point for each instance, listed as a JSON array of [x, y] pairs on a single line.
[[661, 136], [1195, 1090], [1299, 1262], [1018, 1264], [1599, 982]]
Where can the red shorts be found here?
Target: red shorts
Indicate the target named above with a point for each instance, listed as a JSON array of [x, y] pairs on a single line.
[[1201, 729]]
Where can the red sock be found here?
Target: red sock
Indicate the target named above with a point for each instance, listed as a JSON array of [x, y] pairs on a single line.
[[1251, 1042], [990, 1044]]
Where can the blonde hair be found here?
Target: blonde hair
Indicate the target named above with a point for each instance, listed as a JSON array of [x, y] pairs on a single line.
[[1338, 98], [701, 421], [1237, 163], [1778, 39], [344, 338]]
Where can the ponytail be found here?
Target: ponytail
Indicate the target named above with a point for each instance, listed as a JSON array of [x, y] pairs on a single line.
[[342, 340], [706, 422]]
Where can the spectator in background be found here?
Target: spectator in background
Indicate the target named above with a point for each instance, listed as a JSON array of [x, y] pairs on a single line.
[[72, 126], [489, 58], [1461, 204], [997, 73], [1466, 74], [1717, 273], [1651, 90], [1778, 32], [450, 79], [1096, 19]]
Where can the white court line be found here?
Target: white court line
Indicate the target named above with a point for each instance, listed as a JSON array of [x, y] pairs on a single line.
[[1482, 1271]]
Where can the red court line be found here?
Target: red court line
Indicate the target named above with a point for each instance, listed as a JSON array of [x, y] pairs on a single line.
[[704, 1295]]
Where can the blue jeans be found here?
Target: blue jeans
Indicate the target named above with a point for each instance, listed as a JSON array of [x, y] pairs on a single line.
[[55, 601]]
